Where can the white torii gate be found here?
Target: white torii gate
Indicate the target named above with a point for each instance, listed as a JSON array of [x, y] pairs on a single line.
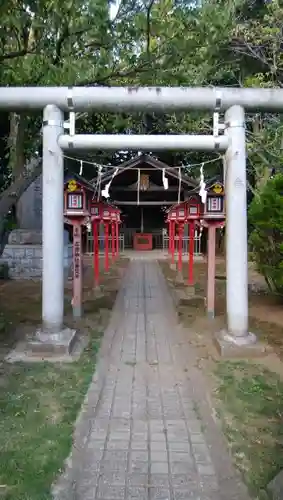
[[232, 101]]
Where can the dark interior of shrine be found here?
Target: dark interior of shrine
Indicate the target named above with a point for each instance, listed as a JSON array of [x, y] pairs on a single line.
[[138, 190], [144, 219]]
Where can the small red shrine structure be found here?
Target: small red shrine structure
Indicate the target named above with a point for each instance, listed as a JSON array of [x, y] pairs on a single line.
[[115, 222], [76, 213], [186, 212], [193, 214], [172, 220], [110, 216], [213, 217]]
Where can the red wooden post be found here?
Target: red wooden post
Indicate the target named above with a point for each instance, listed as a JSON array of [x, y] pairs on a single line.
[[106, 246], [169, 237], [211, 271], [191, 252], [113, 241], [181, 230], [77, 269], [173, 227], [95, 252], [117, 239]]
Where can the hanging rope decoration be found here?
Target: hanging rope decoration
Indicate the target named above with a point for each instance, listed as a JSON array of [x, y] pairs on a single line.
[[138, 188], [105, 192], [179, 188], [220, 157], [165, 180], [99, 182], [202, 186]]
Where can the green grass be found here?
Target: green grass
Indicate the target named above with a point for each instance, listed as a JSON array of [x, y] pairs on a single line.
[[250, 405], [38, 406]]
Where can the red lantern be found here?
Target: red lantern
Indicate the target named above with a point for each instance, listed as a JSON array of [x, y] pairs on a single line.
[[75, 201], [76, 214], [95, 214], [181, 211], [181, 216], [215, 202], [193, 214], [101, 212], [213, 217], [113, 214], [117, 223], [171, 220], [106, 218]]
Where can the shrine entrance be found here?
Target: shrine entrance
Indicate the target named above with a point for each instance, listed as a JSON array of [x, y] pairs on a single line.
[[144, 188], [228, 136]]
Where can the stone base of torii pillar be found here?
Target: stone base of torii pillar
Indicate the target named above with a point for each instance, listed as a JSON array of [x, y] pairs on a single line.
[[230, 346], [65, 345]]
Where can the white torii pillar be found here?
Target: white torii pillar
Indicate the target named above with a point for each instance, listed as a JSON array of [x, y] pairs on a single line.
[[52, 221], [236, 230], [52, 339]]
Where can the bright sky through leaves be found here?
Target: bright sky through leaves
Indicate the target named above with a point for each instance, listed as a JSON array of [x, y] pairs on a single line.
[[113, 9]]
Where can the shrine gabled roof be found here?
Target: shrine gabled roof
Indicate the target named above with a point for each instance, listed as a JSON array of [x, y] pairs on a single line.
[[140, 161], [83, 182], [183, 202]]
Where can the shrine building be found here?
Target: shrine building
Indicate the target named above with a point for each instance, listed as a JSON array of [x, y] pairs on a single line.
[[143, 189]]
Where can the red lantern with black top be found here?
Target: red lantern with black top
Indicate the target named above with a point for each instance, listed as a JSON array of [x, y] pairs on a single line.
[[213, 217], [115, 221], [181, 218], [171, 220], [106, 219], [193, 214], [76, 213], [214, 208], [100, 212], [95, 215]]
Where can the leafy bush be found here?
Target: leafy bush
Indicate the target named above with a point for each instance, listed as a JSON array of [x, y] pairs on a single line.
[[266, 239]]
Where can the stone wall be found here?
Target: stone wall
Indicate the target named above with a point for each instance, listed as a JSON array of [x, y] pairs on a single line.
[[25, 261]]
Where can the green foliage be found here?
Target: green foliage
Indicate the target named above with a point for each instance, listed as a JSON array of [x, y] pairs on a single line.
[[266, 239]]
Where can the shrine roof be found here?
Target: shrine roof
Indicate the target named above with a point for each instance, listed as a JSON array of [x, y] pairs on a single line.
[[83, 182], [147, 163]]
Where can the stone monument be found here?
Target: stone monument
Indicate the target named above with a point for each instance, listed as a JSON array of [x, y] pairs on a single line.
[[23, 252]]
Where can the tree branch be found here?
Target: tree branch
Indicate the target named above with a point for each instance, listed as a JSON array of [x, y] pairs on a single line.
[[14, 55], [148, 30]]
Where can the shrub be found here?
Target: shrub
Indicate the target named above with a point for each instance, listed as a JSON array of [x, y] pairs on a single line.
[[266, 239]]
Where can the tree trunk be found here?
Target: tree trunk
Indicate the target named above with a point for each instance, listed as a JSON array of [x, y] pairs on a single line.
[[16, 144], [264, 169]]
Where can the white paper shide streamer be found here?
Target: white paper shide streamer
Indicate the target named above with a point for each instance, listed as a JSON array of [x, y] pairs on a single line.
[[98, 185], [180, 184], [105, 192], [165, 180], [202, 186]]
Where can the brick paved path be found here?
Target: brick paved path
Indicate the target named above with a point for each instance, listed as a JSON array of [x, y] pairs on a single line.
[[140, 435]]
